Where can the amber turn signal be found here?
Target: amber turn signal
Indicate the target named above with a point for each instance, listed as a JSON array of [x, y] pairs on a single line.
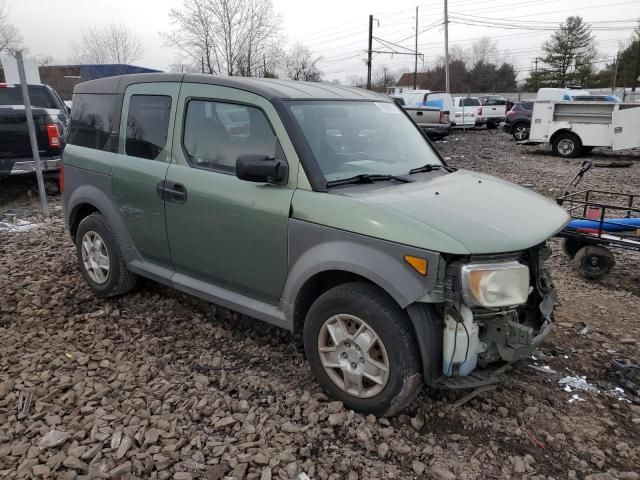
[[418, 264]]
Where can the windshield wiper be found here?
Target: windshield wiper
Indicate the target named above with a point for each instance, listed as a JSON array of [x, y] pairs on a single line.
[[366, 178], [429, 167]]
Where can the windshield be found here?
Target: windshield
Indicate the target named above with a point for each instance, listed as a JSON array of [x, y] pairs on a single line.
[[353, 138], [12, 95]]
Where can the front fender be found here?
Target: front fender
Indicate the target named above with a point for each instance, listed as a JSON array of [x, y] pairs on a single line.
[[315, 248]]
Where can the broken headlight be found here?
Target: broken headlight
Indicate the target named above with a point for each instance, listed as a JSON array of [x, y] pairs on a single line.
[[491, 285]]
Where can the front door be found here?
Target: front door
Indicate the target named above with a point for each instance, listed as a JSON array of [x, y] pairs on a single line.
[[227, 232], [144, 151]]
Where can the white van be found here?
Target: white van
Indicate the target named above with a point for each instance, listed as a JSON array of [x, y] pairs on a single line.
[[561, 94]]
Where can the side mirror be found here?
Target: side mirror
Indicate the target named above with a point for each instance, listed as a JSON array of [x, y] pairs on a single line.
[[261, 168]]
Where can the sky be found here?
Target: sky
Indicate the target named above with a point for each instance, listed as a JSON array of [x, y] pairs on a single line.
[[336, 30]]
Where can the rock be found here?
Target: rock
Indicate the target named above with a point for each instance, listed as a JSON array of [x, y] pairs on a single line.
[[289, 427], [225, 422], [334, 407], [19, 449], [383, 449], [124, 447], [518, 465], [336, 419], [52, 439], [41, 471], [265, 474], [75, 463], [418, 467], [599, 476], [151, 437], [120, 470], [182, 476], [417, 422], [440, 473], [260, 459], [503, 412]]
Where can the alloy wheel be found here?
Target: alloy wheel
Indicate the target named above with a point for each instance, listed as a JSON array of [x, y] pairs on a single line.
[[353, 356], [95, 257]]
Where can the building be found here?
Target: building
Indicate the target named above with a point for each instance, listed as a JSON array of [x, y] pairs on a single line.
[[62, 78]]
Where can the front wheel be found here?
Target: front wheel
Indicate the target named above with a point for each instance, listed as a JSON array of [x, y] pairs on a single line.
[[593, 261], [361, 349]]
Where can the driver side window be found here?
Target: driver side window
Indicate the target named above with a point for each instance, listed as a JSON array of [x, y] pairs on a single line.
[[217, 133]]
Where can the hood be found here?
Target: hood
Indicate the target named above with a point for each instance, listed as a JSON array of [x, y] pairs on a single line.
[[483, 213]]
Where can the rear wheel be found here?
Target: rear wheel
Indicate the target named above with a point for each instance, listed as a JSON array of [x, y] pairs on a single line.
[[520, 131], [100, 259], [567, 145], [361, 349], [593, 261]]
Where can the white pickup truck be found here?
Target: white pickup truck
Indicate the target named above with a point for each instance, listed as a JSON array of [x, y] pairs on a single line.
[[492, 111], [574, 128], [465, 112]]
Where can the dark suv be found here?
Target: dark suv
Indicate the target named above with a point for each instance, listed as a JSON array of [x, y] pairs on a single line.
[[518, 120]]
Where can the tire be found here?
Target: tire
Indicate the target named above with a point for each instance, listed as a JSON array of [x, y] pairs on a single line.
[[567, 145], [102, 265], [593, 261], [571, 246], [520, 131], [333, 321]]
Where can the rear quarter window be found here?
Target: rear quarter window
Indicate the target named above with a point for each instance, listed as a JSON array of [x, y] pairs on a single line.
[[95, 121]]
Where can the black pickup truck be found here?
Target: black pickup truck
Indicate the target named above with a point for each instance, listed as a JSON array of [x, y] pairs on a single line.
[[51, 119]]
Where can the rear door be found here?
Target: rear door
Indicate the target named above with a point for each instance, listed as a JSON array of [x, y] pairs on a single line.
[[626, 133], [144, 153]]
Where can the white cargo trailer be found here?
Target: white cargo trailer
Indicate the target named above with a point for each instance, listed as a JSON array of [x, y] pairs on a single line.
[[574, 128]]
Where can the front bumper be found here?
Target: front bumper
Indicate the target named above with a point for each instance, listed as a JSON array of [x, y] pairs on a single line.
[[20, 166]]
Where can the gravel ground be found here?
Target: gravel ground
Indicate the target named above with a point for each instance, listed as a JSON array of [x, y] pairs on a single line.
[[161, 385]]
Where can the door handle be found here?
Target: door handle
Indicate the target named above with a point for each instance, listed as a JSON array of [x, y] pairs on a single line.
[[172, 192]]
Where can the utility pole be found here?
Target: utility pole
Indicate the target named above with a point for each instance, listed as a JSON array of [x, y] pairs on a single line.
[[32, 131], [615, 74], [369, 52], [415, 68], [447, 85], [634, 84]]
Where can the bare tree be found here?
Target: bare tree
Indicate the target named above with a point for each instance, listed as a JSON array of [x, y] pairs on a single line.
[[10, 38], [231, 37], [113, 43], [302, 65], [484, 50], [383, 77]]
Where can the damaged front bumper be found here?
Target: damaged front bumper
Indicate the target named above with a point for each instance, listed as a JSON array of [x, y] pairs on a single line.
[[503, 334]]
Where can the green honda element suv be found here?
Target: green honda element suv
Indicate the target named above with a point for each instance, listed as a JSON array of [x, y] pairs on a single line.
[[317, 208]]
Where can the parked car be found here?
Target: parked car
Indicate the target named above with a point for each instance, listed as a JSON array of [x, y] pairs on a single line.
[[492, 111], [574, 128], [596, 98], [332, 215], [50, 116], [561, 94], [518, 120], [465, 109]]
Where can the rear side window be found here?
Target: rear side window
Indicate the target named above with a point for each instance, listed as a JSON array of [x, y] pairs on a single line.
[[469, 102], [216, 134], [39, 96], [527, 105], [147, 125], [94, 121]]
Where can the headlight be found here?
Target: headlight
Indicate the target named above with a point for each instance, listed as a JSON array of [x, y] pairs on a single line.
[[495, 284]]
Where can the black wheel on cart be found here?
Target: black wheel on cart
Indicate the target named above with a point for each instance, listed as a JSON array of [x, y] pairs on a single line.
[[593, 261], [570, 246]]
